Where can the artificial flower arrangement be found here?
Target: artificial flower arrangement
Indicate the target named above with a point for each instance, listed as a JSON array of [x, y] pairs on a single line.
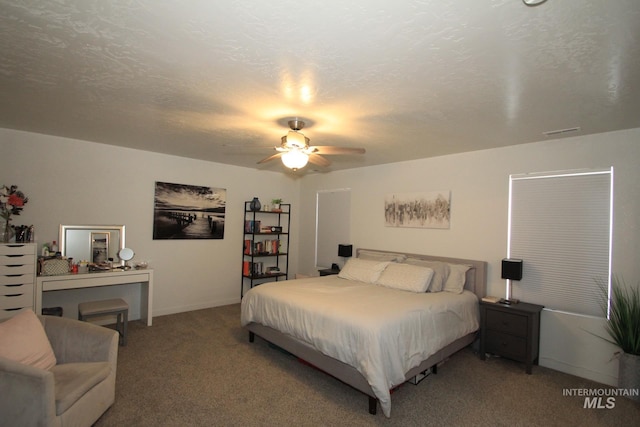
[[12, 201]]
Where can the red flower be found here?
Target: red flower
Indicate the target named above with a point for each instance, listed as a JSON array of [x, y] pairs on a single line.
[[12, 201], [15, 200]]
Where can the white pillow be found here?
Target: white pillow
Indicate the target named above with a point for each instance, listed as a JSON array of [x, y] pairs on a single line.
[[362, 270], [406, 277], [23, 339], [380, 256], [440, 272], [457, 278]]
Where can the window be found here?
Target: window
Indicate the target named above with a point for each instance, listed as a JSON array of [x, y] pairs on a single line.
[[560, 225], [333, 217]]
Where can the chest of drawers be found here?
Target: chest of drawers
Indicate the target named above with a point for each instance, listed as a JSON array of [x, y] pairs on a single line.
[[511, 331], [17, 278]]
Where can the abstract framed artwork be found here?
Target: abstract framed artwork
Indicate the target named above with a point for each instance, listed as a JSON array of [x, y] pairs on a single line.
[[188, 212], [418, 210]]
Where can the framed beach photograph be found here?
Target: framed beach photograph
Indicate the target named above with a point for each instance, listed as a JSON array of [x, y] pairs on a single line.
[[418, 210], [188, 212]]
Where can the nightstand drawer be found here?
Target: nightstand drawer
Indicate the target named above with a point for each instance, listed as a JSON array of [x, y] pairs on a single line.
[[506, 345], [508, 323]]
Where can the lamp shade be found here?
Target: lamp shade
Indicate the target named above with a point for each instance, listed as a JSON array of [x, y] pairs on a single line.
[[295, 159], [345, 250], [512, 269]]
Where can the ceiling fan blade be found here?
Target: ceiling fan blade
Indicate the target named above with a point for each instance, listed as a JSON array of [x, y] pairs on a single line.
[[319, 160], [327, 149], [268, 159]]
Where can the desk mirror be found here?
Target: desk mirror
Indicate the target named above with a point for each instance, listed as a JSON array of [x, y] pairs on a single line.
[[94, 243]]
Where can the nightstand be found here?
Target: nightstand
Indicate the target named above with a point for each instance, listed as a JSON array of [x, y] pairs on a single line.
[[511, 331], [328, 271]]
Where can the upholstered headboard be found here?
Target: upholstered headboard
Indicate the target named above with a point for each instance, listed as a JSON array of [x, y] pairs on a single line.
[[476, 276]]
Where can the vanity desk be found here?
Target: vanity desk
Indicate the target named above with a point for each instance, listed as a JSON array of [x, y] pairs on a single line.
[[98, 279]]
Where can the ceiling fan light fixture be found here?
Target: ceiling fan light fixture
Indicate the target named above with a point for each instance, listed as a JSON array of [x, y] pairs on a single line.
[[295, 139], [295, 159]]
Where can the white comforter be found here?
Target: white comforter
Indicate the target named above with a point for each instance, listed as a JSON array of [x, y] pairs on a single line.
[[381, 332]]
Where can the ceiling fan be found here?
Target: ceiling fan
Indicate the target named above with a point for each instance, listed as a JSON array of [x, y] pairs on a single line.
[[295, 150]]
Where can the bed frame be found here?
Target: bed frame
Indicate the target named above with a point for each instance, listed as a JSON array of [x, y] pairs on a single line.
[[475, 282]]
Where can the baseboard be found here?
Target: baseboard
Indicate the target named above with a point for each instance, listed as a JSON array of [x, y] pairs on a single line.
[[578, 371], [192, 307]]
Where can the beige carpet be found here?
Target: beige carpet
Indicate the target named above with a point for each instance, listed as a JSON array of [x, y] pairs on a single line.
[[198, 369]]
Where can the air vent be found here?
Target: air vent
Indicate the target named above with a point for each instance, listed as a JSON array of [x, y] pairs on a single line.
[[560, 131]]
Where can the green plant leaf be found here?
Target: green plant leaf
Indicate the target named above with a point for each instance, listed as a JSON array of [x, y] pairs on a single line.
[[623, 325]]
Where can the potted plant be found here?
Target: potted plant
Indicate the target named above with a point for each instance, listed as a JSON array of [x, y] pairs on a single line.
[[276, 205], [623, 327]]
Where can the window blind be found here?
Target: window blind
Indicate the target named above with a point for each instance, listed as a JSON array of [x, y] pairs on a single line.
[[333, 225], [560, 225]]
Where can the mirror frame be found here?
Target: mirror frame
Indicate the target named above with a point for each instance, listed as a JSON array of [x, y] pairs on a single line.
[[91, 229]]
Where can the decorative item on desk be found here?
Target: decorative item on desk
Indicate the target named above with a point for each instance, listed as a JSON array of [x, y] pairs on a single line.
[[126, 255], [12, 202], [24, 233], [511, 270], [255, 204], [276, 205], [83, 266], [142, 265], [54, 266]]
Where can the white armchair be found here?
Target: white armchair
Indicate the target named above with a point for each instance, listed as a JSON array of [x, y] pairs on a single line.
[[76, 391]]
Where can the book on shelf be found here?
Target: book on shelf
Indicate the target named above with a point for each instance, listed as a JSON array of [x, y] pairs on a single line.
[[251, 269], [246, 268], [265, 247], [251, 226]]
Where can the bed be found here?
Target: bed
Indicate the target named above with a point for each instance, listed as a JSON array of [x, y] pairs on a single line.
[[373, 326]]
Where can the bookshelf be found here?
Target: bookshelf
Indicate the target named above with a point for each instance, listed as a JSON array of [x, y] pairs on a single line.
[[265, 248]]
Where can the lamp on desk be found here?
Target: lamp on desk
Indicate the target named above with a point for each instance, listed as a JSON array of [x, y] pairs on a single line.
[[511, 270], [345, 251]]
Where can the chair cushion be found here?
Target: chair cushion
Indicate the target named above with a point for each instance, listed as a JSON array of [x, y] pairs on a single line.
[[73, 380], [23, 339]]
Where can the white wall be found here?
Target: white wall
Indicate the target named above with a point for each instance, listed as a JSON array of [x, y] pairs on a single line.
[[479, 197], [77, 182]]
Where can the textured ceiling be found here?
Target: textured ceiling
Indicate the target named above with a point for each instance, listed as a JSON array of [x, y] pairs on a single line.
[[218, 80]]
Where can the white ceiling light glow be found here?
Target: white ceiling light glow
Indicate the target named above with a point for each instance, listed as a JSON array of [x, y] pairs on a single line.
[[295, 159]]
